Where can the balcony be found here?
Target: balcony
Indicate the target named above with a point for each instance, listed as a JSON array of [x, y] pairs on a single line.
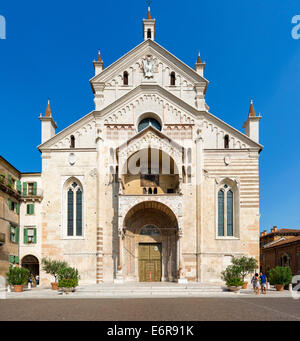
[[9, 187]]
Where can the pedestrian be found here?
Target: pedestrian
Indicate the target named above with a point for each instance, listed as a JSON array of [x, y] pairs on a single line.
[[30, 282], [37, 279], [263, 283], [255, 283]]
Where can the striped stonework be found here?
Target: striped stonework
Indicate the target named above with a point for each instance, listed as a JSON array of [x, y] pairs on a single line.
[[99, 278]]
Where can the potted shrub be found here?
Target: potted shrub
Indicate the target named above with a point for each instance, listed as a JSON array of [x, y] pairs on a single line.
[[232, 277], [280, 276], [17, 277], [68, 279], [53, 267], [247, 266]]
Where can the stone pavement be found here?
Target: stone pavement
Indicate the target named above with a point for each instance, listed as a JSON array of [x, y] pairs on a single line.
[[142, 290]]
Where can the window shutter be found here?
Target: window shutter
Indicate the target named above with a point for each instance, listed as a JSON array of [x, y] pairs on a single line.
[[17, 259], [34, 188], [34, 236], [221, 214], [17, 208], [11, 258], [10, 234], [28, 209], [32, 209], [24, 188], [17, 234], [19, 187], [25, 236], [9, 179], [9, 204]]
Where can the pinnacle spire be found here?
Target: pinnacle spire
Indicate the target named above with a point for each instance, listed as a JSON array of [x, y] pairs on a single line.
[[199, 58], [99, 57], [251, 110], [48, 110], [149, 14]]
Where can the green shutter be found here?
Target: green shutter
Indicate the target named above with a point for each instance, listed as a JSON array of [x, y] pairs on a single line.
[[9, 204], [10, 236], [19, 187], [17, 234], [28, 209], [24, 188], [25, 236], [34, 188], [9, 179], [17, 208], [32, 209], [34, 236], [11, 258], [17, 259]]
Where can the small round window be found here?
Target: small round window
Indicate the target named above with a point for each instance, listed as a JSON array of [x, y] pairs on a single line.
[[147, 121]]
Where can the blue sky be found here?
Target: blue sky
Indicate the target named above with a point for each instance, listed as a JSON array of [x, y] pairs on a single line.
[[248, 50]]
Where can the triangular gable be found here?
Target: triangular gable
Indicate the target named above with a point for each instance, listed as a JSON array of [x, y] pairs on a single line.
[[131, 57], [150, 89]]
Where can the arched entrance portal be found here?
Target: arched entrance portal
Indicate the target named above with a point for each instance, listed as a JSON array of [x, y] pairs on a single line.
[[150, 243], [31, 263]]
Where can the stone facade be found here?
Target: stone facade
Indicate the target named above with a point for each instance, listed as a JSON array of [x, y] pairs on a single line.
[[146, 167]]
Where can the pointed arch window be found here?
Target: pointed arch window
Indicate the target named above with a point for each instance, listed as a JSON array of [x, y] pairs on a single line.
[[74, 209], [225, 212]]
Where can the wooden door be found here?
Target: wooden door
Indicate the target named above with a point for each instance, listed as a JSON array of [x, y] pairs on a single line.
[[150, 262]]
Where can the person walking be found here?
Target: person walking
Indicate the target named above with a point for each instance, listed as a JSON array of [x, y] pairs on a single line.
[[263, 283], [255, 283]]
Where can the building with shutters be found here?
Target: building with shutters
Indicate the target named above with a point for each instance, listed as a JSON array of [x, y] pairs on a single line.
[[149, 186], [9, 215], [20, 198]]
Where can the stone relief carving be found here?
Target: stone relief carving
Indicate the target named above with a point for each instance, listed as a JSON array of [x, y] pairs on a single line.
[[72, 159], [148, 67]]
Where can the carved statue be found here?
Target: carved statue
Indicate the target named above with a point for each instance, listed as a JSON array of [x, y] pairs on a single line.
[[148, 66]]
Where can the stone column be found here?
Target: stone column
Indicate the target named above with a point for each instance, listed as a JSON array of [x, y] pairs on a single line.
[[119, 276], [181, 271]]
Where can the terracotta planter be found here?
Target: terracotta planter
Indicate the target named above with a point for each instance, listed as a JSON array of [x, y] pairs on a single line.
[[234, 289], [54, 286], [245, 285], [279, 287], [18, 288]]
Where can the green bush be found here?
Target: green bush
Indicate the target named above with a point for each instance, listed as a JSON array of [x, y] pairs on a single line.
[[232, 275], [235, 282], [280, 275], [17, 276], [246, 264], [68, 278], [53, 267], [67, 283]]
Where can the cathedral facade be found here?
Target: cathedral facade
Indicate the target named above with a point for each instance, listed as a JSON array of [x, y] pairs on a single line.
[[150, 186]]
